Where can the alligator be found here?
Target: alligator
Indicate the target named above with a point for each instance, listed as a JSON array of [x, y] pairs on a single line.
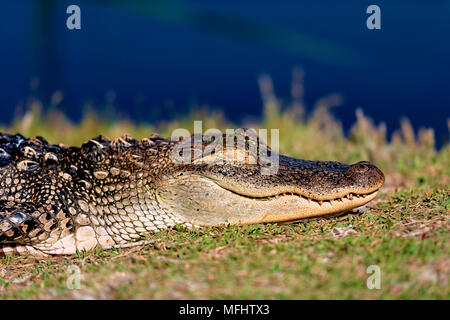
[[115, 193]]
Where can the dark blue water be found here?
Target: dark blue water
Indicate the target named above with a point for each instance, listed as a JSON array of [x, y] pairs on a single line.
[[159, 58]]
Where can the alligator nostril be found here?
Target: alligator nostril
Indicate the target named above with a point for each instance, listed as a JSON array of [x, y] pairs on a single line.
[[360, 167], [366, 174]]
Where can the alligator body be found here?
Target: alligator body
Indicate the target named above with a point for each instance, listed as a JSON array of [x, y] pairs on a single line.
[[56, 199]]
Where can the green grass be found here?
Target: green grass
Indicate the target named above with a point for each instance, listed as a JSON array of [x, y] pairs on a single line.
[[405, 231]]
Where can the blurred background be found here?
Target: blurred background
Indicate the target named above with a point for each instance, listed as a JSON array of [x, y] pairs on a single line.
[[150, 61]]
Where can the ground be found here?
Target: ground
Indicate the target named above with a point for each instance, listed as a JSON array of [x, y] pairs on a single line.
[[404, 232]]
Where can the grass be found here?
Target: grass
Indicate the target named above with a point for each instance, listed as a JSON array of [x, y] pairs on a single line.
[[405, 231]]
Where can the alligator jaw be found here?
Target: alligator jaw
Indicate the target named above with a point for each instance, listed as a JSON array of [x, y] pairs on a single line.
[[308, 208], [217, 206]]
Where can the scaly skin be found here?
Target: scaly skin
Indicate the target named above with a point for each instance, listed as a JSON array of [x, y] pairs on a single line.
[[56, 200]]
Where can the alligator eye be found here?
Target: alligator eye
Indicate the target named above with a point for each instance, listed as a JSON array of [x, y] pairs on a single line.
[[5, 158], [27, 165]]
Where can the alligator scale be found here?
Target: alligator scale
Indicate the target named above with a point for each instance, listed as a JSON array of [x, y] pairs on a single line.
[[109, 193]]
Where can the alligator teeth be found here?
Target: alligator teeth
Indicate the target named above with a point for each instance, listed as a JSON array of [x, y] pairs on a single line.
[[349, 196]]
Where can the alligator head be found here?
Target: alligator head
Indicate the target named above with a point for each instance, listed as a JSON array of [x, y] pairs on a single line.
[[230, 187]]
